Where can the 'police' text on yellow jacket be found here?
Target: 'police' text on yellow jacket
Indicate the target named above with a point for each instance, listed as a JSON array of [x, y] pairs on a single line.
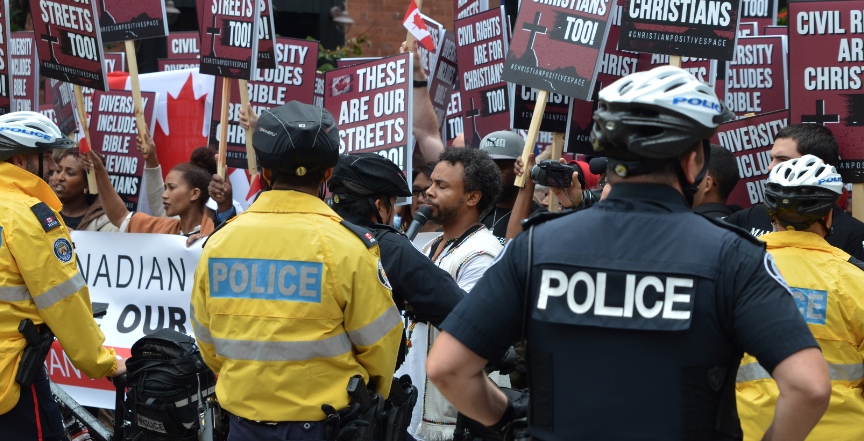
[[39, 280], [830, 294], [287, 306]]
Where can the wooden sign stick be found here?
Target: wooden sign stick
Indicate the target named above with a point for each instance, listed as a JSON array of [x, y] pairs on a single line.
[[251, 160], [531, 139], [675, 60], [223, 126], [82, 115], [136, 87], [858, 201], [557, 152]]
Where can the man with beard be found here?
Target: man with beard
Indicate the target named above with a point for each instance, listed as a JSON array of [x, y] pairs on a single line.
[[503, 147], [464, 184]]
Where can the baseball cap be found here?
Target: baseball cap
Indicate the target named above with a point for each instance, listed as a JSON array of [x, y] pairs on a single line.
[[296, 138], [502, 144]]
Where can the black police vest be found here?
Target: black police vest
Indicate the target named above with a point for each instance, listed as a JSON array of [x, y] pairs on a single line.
[[627, 336]]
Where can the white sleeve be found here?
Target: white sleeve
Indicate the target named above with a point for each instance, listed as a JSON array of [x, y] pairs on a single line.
[[155, 188], [472, 271]]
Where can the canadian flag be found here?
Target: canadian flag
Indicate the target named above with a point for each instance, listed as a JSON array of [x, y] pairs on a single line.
[[417, 27]]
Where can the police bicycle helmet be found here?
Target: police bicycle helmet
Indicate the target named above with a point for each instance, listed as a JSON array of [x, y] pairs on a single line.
[[29, 133], [802, 191]]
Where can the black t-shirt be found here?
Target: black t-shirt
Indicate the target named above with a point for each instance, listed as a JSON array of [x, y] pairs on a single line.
[[716, 210], [498, 218], [847, 234], [72, 222], [589, 376]]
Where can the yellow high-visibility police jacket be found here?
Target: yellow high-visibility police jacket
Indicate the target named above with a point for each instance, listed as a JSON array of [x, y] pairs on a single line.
[[830, 295], [39, 280], [288, 305]]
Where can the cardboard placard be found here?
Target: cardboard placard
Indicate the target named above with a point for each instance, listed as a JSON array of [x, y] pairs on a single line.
[[48, 110], [293, 79], [826, 75], [24, 66], [229, 39], [443, 79], [775, 30], [748, 29], [353, 61], [65, 108], [763, 12], [121, 20], [756, 79], [371, 103], [548, 38], [184, 45], [428, 59], [68, 42], [113, 132], [580, 117], [318, 94], [115, 62], [166, 64], [482, 43], [703, 69], [453, 122], [266, 36], [5, 61], [555, 115], [465, 8], [704, 28], [750, 141]]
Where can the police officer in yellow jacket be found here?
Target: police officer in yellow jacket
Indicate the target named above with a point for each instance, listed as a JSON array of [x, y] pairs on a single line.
[[288, 304], [39, 280], [827, 285]]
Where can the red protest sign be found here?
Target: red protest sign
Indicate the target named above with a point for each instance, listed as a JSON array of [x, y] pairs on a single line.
[[5, 81], [482, 43], [48, 110], [775, 30], [756, 79], [184, 45], [548, 38], [293, 79], [121, 20], [68, 41], [748, 29], [750, 141], [318, 94], [763, 12], [229, 39], [453, 124], [465, 8], [696, 29], [371, 104], [65, 108], [113, 132], [443, 79], [115, 62], [266, 36], [24, 71], [166, 64], [825, 75]]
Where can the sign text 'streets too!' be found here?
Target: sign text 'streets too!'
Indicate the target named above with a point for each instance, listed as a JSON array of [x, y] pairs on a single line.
[[229, 38]]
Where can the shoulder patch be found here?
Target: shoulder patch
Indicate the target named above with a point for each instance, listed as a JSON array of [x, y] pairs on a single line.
[[63, 250], [852, 259], [735, 229], [364, 234], [774, 272], [382, 276], [47, 217], [539, 218]]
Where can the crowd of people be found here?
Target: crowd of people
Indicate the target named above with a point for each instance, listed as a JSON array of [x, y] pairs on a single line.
[[641, 306]]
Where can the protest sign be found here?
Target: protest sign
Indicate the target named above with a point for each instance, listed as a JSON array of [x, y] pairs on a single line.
[[293, 79], [482, 44], [353, 61], [65, 107], [24, 71], [756, 79], [750, 141], [229, 39], [748, 29], [69, 49], [266, 36], [825, 75], [704, 28], [5, 61], [371, 103], [115, 61], [184, 45], [48, 111], [318, 95], [548, 38], [703, 69], [775, 30], [113, 132], [442, 81], [167, 64], [121, 20], [145, 280], [465, 8], [763, 12], [554, 115], [453, 125], [580, 117], [428, 59]]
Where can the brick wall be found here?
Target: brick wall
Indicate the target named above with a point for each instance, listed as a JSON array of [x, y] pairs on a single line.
[[381, 21]]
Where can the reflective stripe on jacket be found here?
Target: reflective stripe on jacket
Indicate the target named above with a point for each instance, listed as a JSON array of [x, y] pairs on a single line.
[[287, 306], [39, 280], [829, 292]]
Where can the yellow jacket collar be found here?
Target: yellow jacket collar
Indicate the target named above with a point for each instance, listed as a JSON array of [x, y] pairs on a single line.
[[803, 240], [289, 201], [17, 179]]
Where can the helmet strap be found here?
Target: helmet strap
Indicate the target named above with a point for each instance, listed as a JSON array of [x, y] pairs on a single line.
[[687, 188]]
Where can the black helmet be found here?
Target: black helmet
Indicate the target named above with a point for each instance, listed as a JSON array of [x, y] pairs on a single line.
[[658, 114], [802, 191], [297, 139], [366, 174]]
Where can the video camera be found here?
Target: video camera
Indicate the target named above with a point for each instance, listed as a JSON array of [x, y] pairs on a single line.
[[552, 173]]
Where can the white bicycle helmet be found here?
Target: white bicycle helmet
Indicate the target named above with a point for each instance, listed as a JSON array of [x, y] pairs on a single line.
[[29, 133], [658, 114], [802, 191]]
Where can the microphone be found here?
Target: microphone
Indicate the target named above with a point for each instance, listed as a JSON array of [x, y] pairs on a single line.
[[420, 219]]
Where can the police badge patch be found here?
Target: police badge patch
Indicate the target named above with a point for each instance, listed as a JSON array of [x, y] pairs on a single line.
[[382, 276], [63, 250], [772, 270]]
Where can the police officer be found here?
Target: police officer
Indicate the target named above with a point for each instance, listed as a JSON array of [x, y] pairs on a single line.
[[39, 281], [288, 304], [636, 312]]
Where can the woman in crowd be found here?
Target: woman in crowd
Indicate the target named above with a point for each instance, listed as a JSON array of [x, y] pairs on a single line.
[[81, 210], [186, 193]]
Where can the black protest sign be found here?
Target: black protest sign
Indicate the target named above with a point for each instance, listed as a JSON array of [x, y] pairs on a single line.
[[318, 94], [750, 141], [121, 20], [580, 123], [65, 107], [229, 39], [763, 12], [699, 28], [24, 72], [453, 124], [442, 81], [756, 79], [69, 42], [548, 38], [554, 115], [428, 59], [826, 76], [266, 36]]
